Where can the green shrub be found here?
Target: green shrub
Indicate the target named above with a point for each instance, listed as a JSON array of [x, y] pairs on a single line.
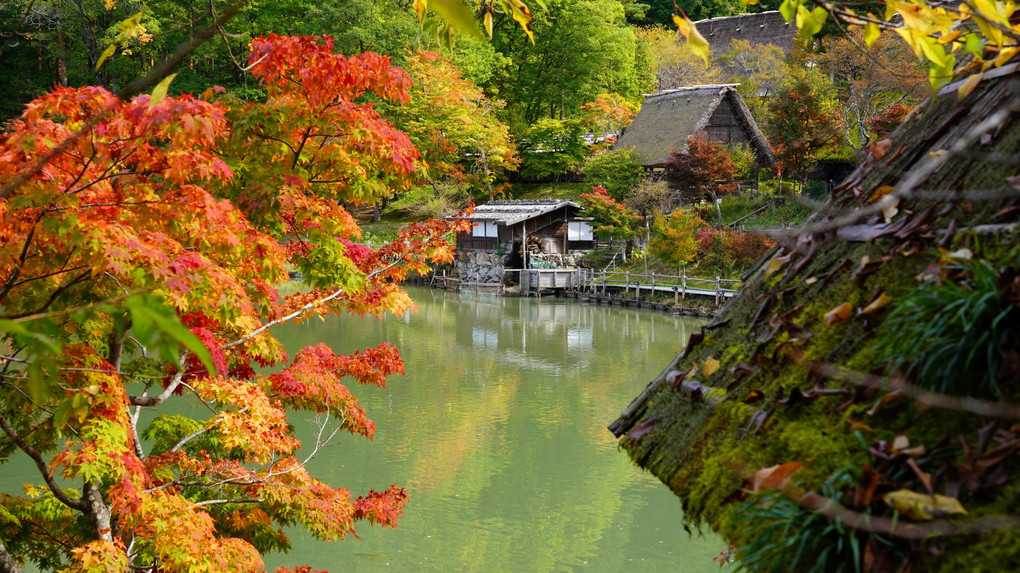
[[618, 171]]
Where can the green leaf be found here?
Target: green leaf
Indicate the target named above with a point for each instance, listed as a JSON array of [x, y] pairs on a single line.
[[456, 15], [154, 322], [159, 92], [788, 9]]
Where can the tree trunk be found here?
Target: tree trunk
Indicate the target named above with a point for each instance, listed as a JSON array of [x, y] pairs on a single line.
[[7, 562], [98, 512]]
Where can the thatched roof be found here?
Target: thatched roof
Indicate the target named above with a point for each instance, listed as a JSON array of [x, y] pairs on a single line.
[[667, 118], [513, 212], [804, 365], [758, 29]]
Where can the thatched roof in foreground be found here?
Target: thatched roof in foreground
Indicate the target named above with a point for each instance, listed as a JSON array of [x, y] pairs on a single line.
[[667, 118], [799, 369]]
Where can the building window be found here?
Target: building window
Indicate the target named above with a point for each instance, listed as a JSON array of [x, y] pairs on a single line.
[[484, 229], [579, 231]]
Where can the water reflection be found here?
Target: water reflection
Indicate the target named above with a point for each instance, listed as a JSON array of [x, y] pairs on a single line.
[[498, 432]]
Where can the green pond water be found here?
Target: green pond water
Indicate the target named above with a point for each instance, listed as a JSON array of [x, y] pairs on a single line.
[[498, 432]]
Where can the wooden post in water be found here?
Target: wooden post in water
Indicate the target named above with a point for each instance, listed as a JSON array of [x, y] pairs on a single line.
[[627, 283], [676, 296], [653, 287], [603, 283], [637, 293]]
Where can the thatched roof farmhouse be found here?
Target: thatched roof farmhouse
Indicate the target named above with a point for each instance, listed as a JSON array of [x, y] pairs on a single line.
[[757, 29], [667, 118]]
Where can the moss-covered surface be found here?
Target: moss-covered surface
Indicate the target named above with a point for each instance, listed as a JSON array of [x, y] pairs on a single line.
[[788, 373]]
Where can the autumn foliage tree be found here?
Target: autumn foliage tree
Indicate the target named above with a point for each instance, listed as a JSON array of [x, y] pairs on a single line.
[[803, 124], [674, 242], [612, 219], [454, 125], [139, 265], [694, 172]]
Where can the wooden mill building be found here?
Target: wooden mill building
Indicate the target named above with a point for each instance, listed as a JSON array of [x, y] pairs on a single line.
[[505, 225], [669, 117]]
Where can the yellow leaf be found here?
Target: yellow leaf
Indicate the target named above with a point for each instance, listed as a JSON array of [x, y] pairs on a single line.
[[838, 314], [488, 23], [109, 51], [871, 33], [882, 300], [969, 85], [710, 367], [159, 92], [777, 263], [922, 506], [421, 7], [695, 41], [523, 18]]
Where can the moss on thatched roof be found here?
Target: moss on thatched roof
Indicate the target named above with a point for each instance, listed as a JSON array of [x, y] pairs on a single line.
[[667, 118], [839, 346]]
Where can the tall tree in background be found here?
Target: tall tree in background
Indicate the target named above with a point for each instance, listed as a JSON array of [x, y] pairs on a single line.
[[673, 64], [170, 223], [872, 81], [760, 69], [582, 47], [803, 124], [454, 125]]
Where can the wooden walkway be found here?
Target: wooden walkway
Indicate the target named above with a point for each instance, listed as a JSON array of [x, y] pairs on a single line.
[[605, 284]]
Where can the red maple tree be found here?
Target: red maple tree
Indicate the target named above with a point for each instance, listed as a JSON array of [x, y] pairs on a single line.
[[142, 262]]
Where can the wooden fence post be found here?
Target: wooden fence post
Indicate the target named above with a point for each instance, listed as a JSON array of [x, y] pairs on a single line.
[[717, 291], [653, 286], [684, 296], [627, 285], [637, 293]]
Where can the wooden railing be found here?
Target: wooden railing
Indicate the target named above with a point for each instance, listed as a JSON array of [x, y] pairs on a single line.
[[680, 285]]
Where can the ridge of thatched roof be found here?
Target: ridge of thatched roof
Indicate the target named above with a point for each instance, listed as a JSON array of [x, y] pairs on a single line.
[[668, 117], [757, 29], [513, 212]]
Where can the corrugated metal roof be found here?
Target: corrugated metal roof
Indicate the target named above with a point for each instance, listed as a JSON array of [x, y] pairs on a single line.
[[513, 212]]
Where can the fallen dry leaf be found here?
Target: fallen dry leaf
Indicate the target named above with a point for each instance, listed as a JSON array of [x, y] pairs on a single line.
[[838, 314], [710, 367], [922, 506], [774, 477], [880, 301]]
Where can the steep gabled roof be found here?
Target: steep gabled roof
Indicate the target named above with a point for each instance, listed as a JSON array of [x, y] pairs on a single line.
[[667, 118], [758, 29], [513, 212]]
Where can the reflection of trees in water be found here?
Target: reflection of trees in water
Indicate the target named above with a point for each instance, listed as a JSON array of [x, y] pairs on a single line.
[[503, 444]]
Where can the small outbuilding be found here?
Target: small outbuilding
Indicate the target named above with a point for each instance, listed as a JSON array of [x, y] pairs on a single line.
[[548, 231], [550, 225], [669, 117]]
